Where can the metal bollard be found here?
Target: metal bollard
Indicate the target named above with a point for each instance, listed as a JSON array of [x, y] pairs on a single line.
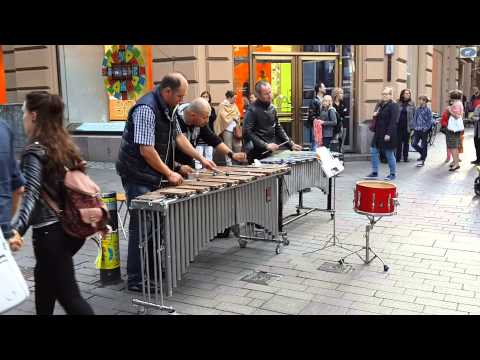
[[108, 260]]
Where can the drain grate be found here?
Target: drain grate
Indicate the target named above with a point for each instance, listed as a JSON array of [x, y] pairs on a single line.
[[260, 277], [335, 267]]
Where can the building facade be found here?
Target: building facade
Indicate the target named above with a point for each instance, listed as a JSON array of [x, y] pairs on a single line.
[[75, 71]]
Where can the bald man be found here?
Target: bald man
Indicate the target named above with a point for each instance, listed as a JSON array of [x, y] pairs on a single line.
[[193, 120], [146, 157]]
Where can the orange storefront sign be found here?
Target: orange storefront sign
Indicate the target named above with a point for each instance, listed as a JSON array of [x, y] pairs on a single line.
[[3, 82]]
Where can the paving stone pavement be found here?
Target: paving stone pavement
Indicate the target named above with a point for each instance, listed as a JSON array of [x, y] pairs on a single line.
[[432, 247]]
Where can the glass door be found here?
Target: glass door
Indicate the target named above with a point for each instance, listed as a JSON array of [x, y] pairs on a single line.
[[312, 71], [279, 72]]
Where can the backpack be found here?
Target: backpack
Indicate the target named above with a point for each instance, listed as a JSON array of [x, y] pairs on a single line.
[[84, 212], [338, 127]]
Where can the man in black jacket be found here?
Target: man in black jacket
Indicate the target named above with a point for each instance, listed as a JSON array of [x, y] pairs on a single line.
[[261, 128], [193, 120], [314, 110]]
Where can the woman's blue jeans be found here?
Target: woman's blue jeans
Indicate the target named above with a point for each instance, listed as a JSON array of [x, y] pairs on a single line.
[[392, 163]]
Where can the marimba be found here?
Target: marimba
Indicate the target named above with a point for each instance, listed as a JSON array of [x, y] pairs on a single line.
[[306, 172], [177, 222]]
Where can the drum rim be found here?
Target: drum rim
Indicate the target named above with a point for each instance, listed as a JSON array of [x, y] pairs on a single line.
[[358, 183], [373, 214]]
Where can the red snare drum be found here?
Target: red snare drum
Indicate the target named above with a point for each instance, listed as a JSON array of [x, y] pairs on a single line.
[[375, 197]]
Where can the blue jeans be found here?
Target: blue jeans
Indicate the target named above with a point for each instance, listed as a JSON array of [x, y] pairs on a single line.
[[134, 269], [376, 160], [327, 141]]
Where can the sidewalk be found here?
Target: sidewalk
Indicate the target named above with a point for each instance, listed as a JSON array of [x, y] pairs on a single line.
[[432, 247]]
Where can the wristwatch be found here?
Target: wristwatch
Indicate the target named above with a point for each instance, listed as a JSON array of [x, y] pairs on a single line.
[[177, 168], [230, 154]]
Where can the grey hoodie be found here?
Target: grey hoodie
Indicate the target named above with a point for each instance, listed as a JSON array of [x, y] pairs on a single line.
[[329, 125]]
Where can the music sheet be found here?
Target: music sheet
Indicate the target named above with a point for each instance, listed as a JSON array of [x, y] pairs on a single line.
[[330, 165]]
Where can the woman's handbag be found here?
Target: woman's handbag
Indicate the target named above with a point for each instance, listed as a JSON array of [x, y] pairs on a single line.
[[13, 287], [371, 127], [455, 124]]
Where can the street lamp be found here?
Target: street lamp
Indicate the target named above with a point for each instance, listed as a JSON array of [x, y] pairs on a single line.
[[389, 50]]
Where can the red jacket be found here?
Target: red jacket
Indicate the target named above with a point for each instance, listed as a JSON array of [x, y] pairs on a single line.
[[445, 116]]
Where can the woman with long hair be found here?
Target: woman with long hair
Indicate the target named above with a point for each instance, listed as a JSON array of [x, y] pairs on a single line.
[[342, 113], [49, 152], [407, 111], [227, 119], [325, 125]]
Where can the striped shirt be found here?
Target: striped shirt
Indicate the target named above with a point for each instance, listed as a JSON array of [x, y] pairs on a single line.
[[144, 126]]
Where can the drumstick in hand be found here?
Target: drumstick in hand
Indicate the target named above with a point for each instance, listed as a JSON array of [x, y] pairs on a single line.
[[286, 142]]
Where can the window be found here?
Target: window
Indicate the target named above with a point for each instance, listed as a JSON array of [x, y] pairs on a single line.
[[241, 76], [412, 70], [348, 71], [320, 48]]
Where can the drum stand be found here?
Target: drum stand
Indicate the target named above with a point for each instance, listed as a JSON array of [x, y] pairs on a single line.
[[333, 240], [367, 247]]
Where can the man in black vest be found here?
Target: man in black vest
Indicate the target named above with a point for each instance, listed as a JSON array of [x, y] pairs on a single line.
[[192, 119], [146, 156], [262, 130]]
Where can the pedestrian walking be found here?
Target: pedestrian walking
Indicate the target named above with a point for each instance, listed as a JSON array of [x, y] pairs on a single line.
[[385, 132], [11, 181], [475, 98], [476, 134], [454, 130], [50, 149], [421, 125], [454, 96]]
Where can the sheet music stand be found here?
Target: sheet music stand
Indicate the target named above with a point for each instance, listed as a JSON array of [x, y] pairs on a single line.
[[332, 167]]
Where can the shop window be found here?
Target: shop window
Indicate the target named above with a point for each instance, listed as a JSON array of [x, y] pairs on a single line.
[[275, 48], [319, 48], [241, 76], [348, 71]]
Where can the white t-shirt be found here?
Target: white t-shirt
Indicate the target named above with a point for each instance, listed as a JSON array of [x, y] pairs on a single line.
[[231, 126]]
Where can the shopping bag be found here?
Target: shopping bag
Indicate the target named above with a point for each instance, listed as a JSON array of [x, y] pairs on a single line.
[[13, 287]]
